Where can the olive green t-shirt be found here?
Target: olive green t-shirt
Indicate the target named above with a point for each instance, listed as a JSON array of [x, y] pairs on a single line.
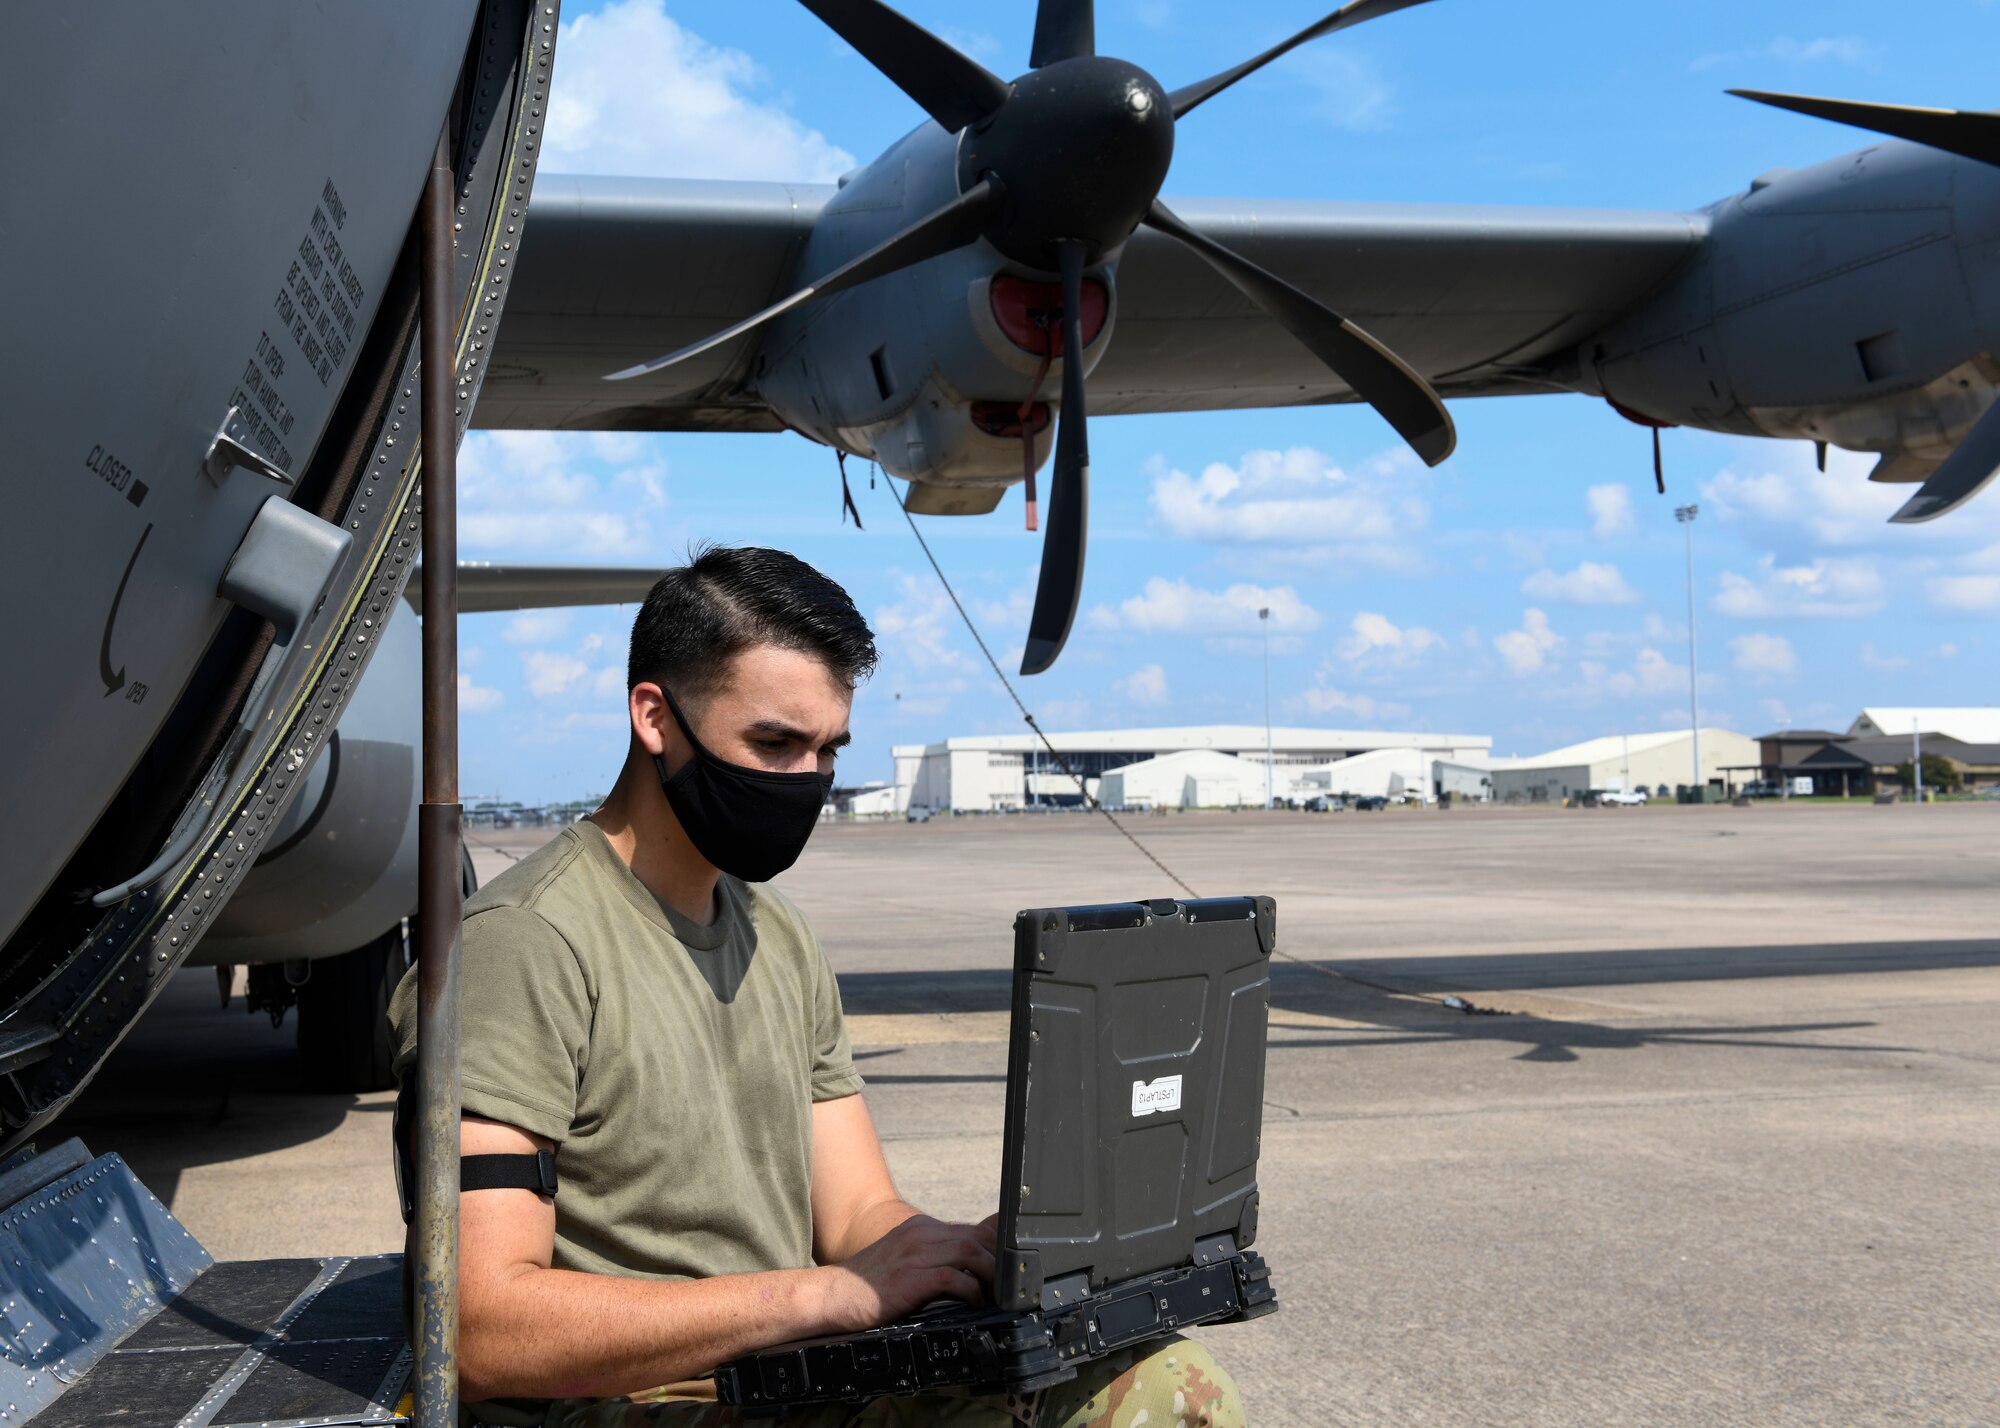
[[674, 1065]]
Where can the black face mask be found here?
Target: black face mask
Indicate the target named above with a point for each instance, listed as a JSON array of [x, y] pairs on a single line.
[[750, 823]]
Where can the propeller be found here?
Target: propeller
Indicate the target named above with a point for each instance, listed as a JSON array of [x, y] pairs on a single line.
[[1347, 16], [953, 226], [1972, 463], [1965, 132], [1377, 375], [1061, 581], [1055, 171], [1064, 29]]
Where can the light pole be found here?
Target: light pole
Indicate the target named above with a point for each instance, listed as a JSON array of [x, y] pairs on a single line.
[[1685, 515], [1270, 790], [1917, 758]]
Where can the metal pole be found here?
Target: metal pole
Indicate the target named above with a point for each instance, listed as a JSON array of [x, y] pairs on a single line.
[[1685, 515], [1270, 779], [1917, 758], [440, 891]]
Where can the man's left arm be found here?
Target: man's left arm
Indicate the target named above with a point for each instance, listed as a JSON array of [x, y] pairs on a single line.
[[854, 1198]]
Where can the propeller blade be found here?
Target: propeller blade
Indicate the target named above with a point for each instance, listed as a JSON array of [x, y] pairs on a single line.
[[1965, 132], [956, 224], [1064, 29], [1377, 375], [1359, 12], [1972, 463], [949, 85], [1061, 581]]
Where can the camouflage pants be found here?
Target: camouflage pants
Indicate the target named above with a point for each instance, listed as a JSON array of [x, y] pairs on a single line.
[[1168, 1383]]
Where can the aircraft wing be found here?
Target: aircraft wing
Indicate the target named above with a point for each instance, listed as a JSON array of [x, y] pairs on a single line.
[[619, 270], [613, 271], [1477, 299]]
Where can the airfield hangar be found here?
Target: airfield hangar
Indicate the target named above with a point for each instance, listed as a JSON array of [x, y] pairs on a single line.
[[1626, 762], [1195, 766]]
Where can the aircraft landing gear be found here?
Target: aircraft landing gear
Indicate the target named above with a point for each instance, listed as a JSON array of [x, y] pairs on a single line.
[[344, 1040]]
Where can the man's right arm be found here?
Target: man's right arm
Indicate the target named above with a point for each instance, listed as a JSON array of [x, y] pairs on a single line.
[[529, 1331]]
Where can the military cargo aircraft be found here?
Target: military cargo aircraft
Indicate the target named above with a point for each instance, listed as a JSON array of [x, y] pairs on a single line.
[[211, 707]]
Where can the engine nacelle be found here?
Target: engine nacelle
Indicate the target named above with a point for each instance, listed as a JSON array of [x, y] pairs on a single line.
[[1856, 302], [925, 371], [341, 866]]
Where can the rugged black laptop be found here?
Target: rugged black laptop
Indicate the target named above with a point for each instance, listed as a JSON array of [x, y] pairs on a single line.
[[1128, 1200]]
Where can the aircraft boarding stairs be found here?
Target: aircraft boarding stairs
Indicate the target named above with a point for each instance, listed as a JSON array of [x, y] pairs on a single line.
[[112, 1313]]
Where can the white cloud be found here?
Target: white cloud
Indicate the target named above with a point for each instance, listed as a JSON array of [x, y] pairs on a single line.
[[1145, 686], [1972, 594], [1837, 49], [1176, 607], [535, 492], [1323, 700], [1376, 639], [1826, 587], [1349, 91], [1589, 584], [1652, 673], [634, 93], [1875, 659], [537, 627], [1527, 649], [1298, 498], [919, 627], [549, 674], [1764, 656], [1610, 510], [1058, 713], [477, 699], [1777, 488]]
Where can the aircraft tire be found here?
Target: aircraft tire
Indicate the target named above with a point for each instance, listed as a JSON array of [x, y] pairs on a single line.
[[344, 1043]]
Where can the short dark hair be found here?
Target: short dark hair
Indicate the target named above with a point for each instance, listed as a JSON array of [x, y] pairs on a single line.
[[701, 615]]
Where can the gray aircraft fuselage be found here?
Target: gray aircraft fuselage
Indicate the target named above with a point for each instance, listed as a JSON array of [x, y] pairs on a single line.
[[210, 275]]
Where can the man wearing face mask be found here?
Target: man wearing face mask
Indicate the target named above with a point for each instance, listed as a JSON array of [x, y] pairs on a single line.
[[637, 1002]]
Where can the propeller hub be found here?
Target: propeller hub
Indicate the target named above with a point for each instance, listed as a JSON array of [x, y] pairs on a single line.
[[1082, 147]]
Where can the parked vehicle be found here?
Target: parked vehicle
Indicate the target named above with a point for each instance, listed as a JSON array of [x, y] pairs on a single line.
[[1635, 799], [1371, 803]]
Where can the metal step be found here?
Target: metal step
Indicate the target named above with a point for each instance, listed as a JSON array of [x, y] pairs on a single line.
[[111, 1312]]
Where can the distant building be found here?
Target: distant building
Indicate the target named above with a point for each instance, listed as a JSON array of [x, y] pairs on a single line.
[[1380, 773], [1626, 762], [1859, 767], [1000, 772], [875, 799], [1969, 726], [1189, 778]]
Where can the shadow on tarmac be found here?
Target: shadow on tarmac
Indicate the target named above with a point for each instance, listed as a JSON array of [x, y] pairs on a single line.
[[1403, 1006], [195, 1085], [1302, 986]]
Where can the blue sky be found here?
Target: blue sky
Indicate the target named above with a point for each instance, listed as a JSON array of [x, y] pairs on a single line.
[[1533, 588]]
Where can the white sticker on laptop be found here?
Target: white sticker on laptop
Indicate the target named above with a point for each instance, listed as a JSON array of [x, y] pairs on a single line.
[[1161, 1095]]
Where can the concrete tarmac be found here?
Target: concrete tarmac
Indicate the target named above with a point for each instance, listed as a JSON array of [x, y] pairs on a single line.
[[1725, 1152]]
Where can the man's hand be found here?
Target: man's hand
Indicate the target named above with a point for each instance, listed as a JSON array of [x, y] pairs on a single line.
[[918, 1261]]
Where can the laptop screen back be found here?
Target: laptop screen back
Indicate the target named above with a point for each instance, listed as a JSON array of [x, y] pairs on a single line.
[[1135, 1092]]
